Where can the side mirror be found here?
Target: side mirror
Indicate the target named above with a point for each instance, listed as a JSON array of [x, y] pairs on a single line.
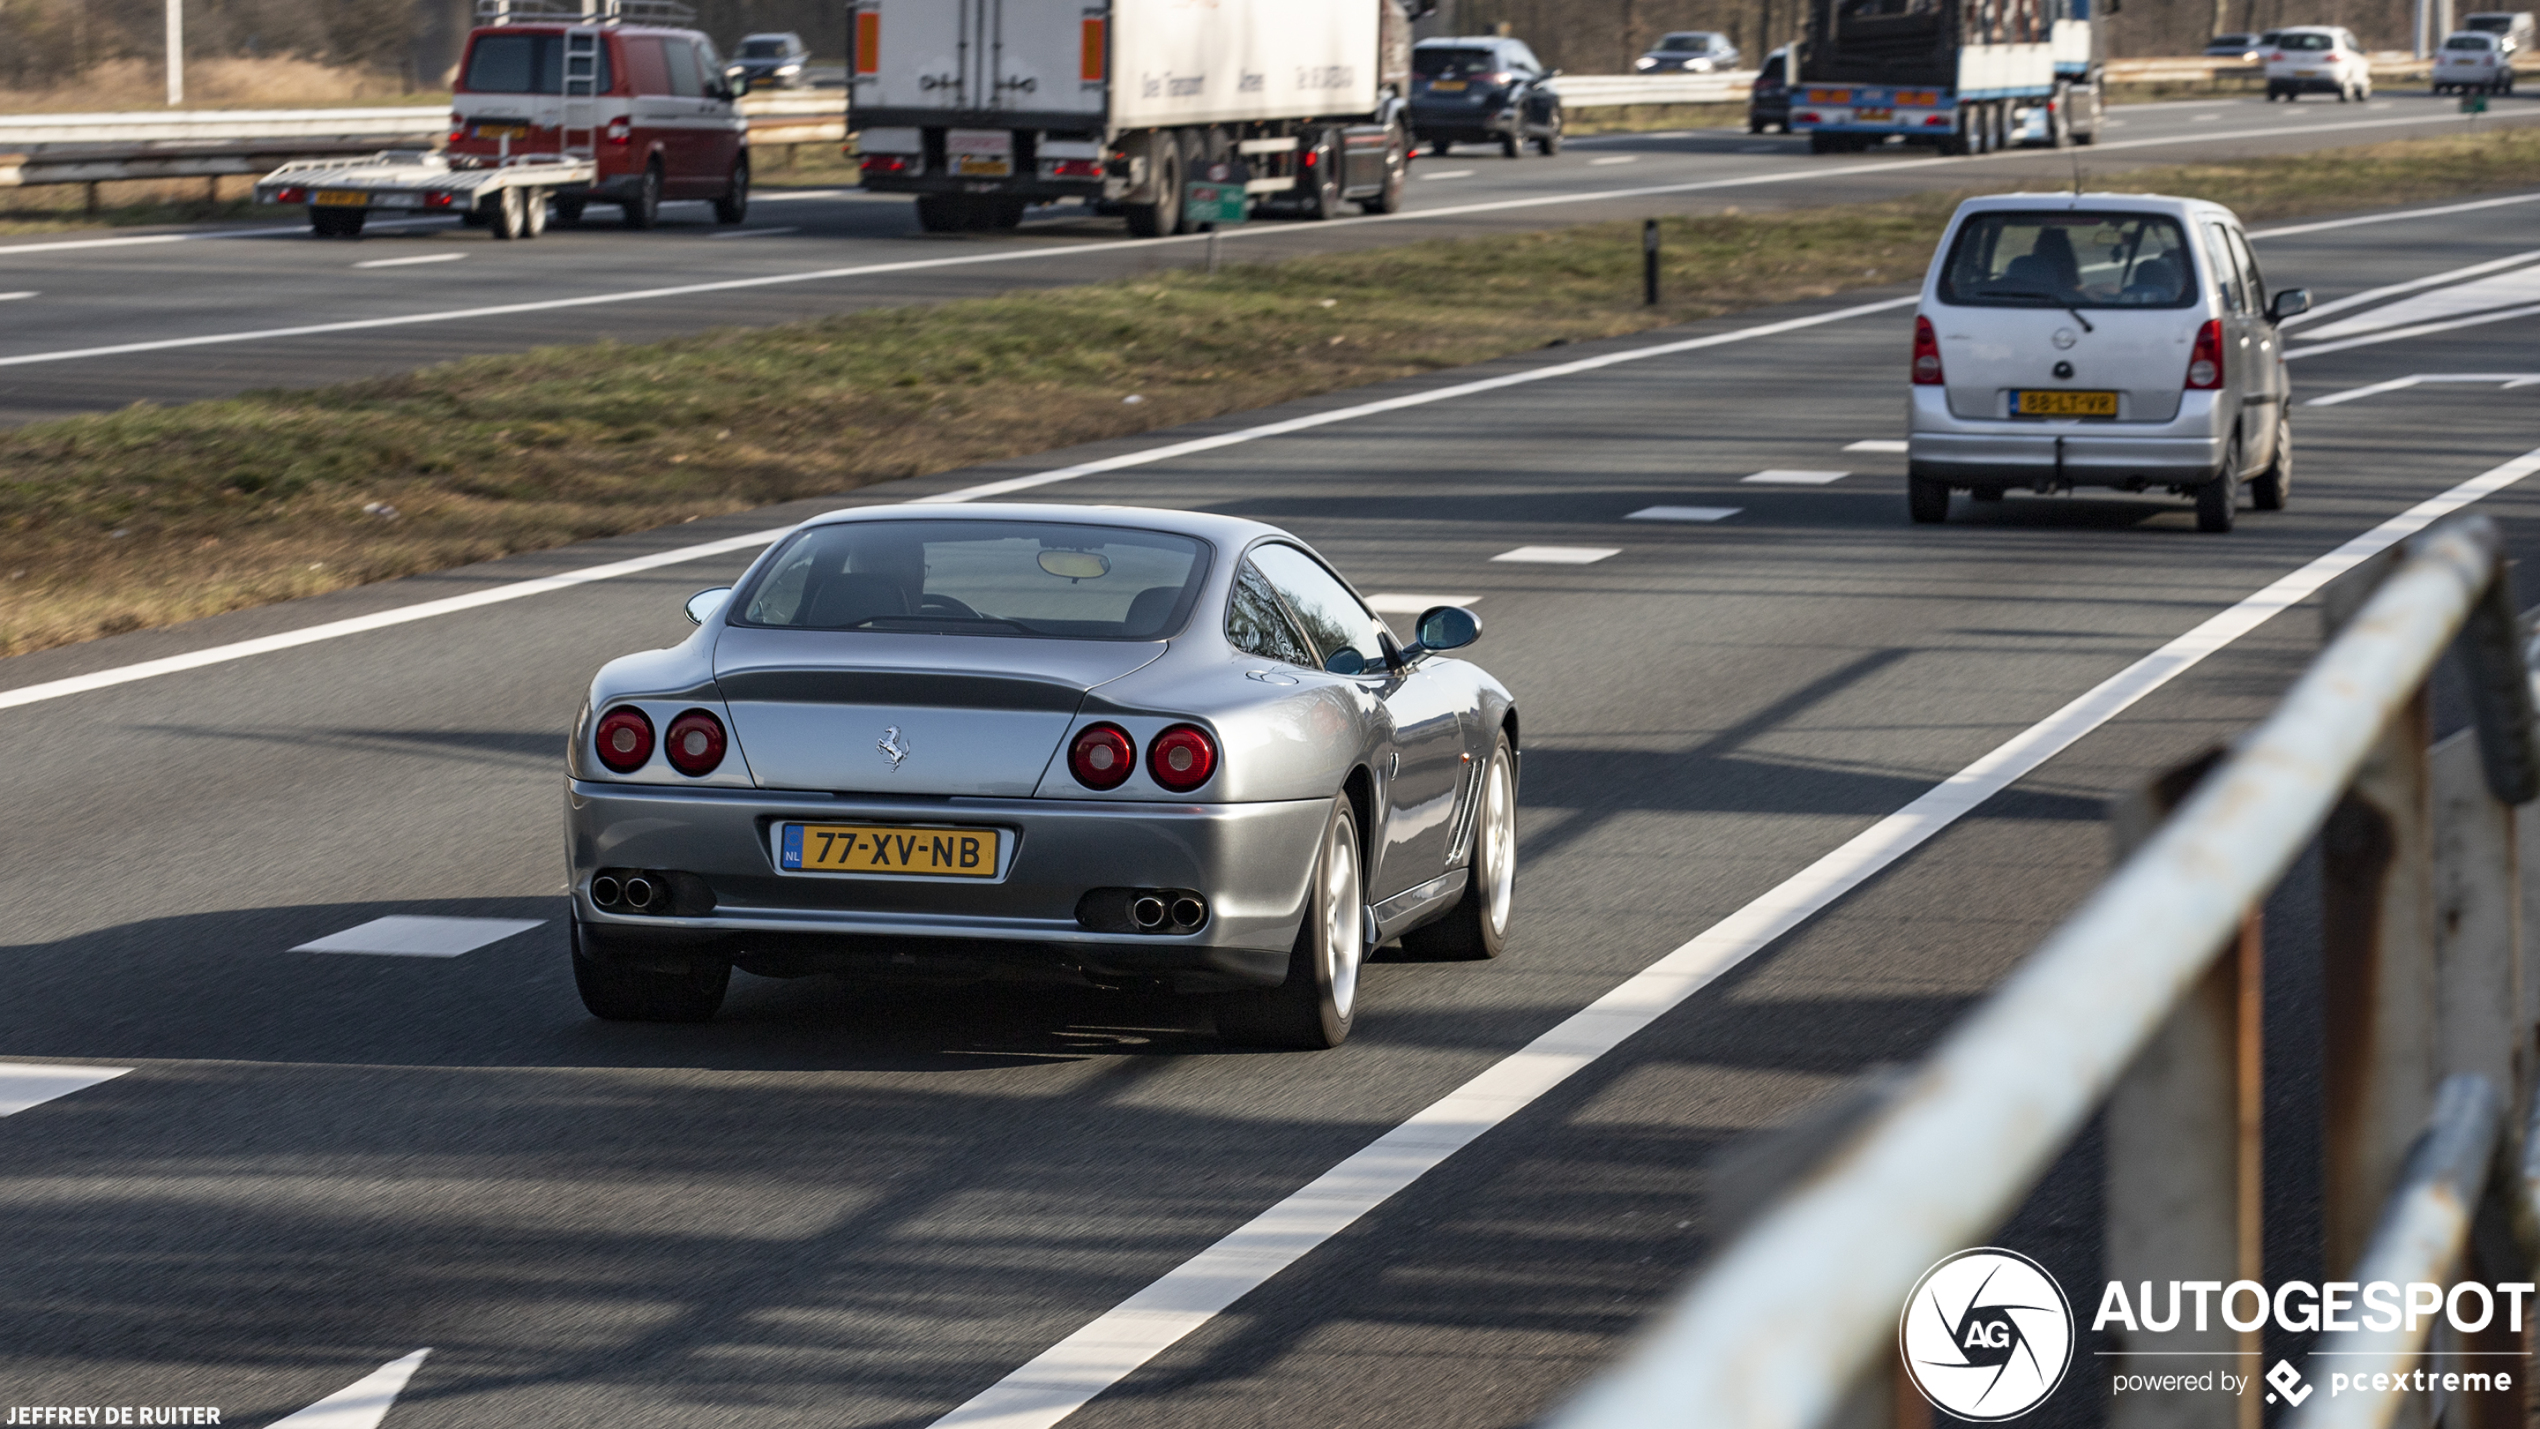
[[1442, 627], [2289, 302], [704, 604]]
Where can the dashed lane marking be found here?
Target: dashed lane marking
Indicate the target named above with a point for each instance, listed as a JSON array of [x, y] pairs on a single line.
[[2507, 380], [12, 297], [1397, 603], [1112, 1346], [757, 232], [1559, 555], [26, 1084], [410, 262], [405, 935], [1876, 444], [1452, 174], [1684, 513], [1614, 159], [1778, 477]]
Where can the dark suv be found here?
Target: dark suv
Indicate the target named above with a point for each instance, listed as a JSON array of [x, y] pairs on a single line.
[[1483, 89], [1768, 103]]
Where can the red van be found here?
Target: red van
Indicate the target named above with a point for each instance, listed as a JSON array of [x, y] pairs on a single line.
[[649, 103]]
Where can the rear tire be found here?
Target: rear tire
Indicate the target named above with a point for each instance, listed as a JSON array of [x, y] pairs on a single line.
[[1154, 220], [509, 219], [533, 212], [1318, 1003], [734, 206], [1513, 143], [644, 209], [633, 992], [2274, 486], [1548, 143], [1926, 500], [1323, 200], [1397, 173], [943, 213], [1477, 926], [2218, 501]]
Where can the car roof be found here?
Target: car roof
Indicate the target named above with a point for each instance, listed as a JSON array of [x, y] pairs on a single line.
[[772, 35], [2111, 202], [1687, 35], [1440, 42], [2310, 30], [1231, 533]]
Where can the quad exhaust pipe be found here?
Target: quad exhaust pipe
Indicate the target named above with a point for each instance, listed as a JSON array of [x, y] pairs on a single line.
[[1147, 911], [1159, 911], [641, 890]]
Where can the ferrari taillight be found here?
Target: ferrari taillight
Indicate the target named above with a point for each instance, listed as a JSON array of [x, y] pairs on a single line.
[[2205, 363], [1927, 371], [1102, 756], [695, 745], [1182, 758], [624, 739]]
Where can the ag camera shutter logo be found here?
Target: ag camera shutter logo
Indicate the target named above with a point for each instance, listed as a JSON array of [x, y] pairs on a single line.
[[1986, 1335]]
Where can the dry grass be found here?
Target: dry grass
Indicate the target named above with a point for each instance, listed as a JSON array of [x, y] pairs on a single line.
[[275, 82], [151, 515]]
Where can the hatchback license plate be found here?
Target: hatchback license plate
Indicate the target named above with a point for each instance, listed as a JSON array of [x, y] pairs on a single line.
[[981, 166], [882, 848], [1446, 86], [2063, 404], [502, 131], [341, 198]]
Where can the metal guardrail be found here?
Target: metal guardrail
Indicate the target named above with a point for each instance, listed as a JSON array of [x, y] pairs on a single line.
[[2146, 1001], [211, 143]]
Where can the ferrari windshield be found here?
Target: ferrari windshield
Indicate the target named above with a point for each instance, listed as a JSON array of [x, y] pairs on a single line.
[[1032, 578], [2063, 258]]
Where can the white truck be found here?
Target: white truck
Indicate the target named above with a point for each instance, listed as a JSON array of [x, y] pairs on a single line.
[[982, 108], [1968, 76]]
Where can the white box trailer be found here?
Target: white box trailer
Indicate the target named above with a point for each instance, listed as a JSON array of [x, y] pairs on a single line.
[[981, 108]]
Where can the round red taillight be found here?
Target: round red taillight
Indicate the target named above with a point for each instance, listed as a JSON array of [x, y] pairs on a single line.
[[1102, 756], [624, 739], [1182, 758], [695, 745]]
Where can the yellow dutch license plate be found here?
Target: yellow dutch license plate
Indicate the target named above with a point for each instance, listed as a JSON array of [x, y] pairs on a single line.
[[1445, 86], [2063, 404], [1873, 116], [981, 166], [502, 131], [884, 848], [341, 198]]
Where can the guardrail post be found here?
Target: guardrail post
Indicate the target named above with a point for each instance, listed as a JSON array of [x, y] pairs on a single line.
[[2477, 916], [2184, 1154]]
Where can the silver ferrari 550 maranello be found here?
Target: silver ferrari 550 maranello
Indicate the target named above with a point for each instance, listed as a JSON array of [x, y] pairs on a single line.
[[1133, 747]]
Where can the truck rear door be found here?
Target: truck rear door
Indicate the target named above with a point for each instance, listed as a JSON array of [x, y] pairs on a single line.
[[1041, 58]]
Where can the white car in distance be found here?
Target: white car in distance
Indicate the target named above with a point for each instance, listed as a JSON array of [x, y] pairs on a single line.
[[2094, 339], [2472, 62], [2318, 59]]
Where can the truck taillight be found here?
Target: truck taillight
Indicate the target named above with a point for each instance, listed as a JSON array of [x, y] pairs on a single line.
[[1927, 371], [1093, 56], [868, 42], [2205, 364], [620, 130], [1075, 168], [886, 163]]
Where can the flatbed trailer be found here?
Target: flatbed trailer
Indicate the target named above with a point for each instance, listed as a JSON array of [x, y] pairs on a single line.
[[508, 196], [1967, 76]]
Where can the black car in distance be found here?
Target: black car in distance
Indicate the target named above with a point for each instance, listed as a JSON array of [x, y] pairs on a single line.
[[1768, 102], [774, 60], [1483, 89]]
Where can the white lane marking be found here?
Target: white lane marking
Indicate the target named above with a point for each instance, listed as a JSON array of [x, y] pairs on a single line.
[[1614, 159], [2392, 290], [1684, 513], [2327, 224], [1452, 174], [1064, 1377], [1779, 477], [2497, 290], [1394, 404], [1397, 603], [795, 195], [1875, 444], [2509, 380], [1151, 245], [1559, 555], [756, 232], [2420, 330], [26, 1084], [145, 239], [221, 654], [361, 1404], [408, 262], [2205, 119], [379, 620], [407, 935], [12, 297]]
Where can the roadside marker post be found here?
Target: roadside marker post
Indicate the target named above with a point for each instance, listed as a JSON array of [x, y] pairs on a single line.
[[1649, 262]]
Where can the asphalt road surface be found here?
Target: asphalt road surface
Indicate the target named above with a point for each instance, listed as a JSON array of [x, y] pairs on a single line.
[[854, 1205], [95, 324]]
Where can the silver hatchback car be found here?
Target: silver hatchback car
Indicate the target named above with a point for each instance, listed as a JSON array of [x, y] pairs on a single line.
[[2120, 340], [1132, 747]]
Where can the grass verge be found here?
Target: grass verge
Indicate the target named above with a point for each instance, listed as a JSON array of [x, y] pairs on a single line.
[[151, 515]]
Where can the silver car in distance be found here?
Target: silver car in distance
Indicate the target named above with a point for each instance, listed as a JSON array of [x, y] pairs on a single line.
[[1129, 747]]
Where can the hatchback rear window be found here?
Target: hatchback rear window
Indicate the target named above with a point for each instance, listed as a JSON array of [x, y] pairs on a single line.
[[2469, 42], [765, 49], [1047, 579], [2068, 259], [2305, 42], [1444, 63], [524, 64]]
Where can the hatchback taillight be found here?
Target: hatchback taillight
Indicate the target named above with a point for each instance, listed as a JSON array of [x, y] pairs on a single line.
[[619, 131], [695, 745], [624, 739], [2205, 363], [1102, 756], [1182, 758], [1927, 371]]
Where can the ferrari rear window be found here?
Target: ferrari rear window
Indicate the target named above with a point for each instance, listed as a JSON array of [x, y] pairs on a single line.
[[1045, 579]]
